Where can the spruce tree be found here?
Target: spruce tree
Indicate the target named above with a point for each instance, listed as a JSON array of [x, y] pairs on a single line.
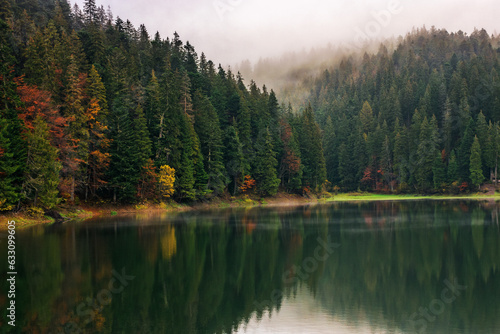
[[476, 171], [207, 127], [438, 172], [427, 150], [464, 151], [12, 146], [265, 165], [233, 157], [311, 151], [330, 149], [42, 167], [452, 172]]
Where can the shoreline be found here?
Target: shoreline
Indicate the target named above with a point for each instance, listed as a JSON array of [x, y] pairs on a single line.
[[87, 211]]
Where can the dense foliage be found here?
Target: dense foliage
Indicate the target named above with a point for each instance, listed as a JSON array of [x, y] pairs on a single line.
[[423, 117], [93, 108]]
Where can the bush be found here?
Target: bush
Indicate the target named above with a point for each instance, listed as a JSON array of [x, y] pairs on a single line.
[[35, 212]]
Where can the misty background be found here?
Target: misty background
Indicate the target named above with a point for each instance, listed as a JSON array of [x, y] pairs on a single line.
[[230, 31], [282, 44]]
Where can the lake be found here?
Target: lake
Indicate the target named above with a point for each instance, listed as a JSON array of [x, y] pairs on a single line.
[[372, 267]]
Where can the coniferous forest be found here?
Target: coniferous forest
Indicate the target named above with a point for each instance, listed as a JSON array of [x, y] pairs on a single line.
[[93, 108]]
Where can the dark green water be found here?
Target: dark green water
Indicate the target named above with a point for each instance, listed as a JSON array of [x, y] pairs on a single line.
[[379, 267]]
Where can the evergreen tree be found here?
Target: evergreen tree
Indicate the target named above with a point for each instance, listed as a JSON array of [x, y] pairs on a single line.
[[311, 151], [42, 167], [476, 171], [452, 172], [12, 146], [126, 156], [439, 172], [401, 153], [185, 181], [427, 151], [233, 157], [265, 165], [330, 149], [208, 129], [464, 151], [366, 117]]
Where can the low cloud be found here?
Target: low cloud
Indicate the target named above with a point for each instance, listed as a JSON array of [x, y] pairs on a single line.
[[229, 31]]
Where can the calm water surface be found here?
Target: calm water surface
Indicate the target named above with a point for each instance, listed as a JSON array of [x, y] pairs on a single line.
[[379, 267]]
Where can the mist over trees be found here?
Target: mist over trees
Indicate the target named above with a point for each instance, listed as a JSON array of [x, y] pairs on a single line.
[[94, 108], [423, 117]]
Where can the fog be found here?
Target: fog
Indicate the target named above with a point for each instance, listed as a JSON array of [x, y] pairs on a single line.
[[229, 31]]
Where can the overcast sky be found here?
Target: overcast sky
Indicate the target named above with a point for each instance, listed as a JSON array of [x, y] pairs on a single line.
[[229, 31]]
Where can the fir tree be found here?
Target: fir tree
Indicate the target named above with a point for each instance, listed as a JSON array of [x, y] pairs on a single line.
[[438, 171], [265, 165], [476, 171], [233, 157], [42, 167]]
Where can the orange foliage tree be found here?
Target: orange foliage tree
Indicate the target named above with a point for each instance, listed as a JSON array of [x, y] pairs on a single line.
[[248, 183]]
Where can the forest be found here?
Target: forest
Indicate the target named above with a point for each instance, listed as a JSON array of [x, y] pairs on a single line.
[[95, 109], [421, 118]]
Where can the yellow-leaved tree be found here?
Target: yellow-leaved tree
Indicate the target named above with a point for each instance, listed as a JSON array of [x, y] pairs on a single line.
[[166, 181]]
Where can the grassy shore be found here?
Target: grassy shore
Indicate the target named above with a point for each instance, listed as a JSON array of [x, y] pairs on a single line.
[[25, 218], [348, 197]]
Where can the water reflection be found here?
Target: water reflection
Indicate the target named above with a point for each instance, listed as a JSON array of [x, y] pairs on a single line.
[[225, 271]]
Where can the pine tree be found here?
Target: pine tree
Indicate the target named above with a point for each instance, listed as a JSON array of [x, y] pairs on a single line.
[[311, 151], [233, 157], [290, 167], [464, 151], [42, 167], [452, 172], [126, 156], [367, 119], [386, 163], [482, 136], [330, 149], [208, 129], [427, 150], [438, 171], [265, 165], [12, 146], [401, 153], [185, 181], [476, 171]]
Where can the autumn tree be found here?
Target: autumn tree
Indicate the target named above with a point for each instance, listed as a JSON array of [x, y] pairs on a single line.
[[166, 180]]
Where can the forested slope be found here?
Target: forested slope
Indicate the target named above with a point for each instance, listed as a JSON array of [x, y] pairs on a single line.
[[423, 117], [96, 109]]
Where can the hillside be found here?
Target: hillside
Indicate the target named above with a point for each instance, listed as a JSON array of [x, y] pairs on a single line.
[[420, 118], [95, 109]]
